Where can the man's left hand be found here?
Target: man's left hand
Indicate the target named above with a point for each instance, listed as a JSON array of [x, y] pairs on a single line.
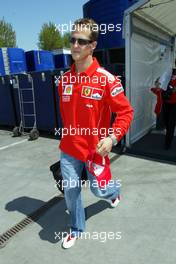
[[104, 146]]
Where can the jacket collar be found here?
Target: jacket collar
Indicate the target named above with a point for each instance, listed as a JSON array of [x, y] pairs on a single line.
[[90, 70]]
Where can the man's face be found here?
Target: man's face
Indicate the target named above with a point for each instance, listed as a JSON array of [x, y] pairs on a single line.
[[80, 51]]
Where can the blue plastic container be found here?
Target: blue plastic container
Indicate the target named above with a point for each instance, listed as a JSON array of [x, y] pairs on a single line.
[[117, 69], [13, 61], [23, 81], [2, 70], [101, 56], [7, 106], [17, 61], [47, 101], [106, 12], [44, 101], [62, 58], [48, 117], [39, 60]]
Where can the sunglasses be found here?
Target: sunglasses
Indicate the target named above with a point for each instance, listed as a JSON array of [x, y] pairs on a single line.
[[80, 41]]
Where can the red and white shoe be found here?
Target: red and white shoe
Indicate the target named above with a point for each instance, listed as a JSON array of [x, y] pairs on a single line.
[[69, 241], [115, 202]]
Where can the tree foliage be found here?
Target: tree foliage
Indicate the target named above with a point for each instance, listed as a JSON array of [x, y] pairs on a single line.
[[50, 38], [7, 34], [66, 40]]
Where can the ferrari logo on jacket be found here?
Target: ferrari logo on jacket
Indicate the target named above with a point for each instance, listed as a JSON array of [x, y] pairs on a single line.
[[86, 91]]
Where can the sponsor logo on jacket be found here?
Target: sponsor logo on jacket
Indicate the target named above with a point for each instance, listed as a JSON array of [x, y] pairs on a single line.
[[116, 90], [92, 92], [67, 89]]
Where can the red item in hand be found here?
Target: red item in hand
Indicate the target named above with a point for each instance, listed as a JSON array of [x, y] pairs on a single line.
[[99, 167]]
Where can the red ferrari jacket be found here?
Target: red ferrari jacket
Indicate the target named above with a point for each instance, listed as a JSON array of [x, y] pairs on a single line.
[[86, 103]]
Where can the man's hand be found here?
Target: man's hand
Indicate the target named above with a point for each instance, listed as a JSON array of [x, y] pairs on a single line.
[[104, 146]]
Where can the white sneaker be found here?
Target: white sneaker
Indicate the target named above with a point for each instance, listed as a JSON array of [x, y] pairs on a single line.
[[115, 202], [69, 241]]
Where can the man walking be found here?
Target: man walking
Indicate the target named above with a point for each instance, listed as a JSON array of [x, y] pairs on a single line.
[[88, 96]]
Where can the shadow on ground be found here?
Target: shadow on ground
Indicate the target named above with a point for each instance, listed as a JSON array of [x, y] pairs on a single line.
[[55, 221]]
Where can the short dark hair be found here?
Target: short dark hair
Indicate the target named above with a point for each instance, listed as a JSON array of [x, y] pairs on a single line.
[[87, 23]]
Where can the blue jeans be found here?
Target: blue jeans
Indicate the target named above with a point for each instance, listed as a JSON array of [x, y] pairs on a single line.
[[71, 169]]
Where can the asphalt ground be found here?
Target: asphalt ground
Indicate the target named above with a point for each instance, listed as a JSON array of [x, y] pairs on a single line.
[[140, 230]]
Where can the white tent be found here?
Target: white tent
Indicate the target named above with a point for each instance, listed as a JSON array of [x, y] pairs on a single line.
[[149, 31]]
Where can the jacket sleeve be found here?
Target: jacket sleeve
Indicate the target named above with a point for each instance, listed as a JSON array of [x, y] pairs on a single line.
[[120, 105]]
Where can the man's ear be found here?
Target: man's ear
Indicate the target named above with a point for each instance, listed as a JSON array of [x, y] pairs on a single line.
[[94, 44]]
